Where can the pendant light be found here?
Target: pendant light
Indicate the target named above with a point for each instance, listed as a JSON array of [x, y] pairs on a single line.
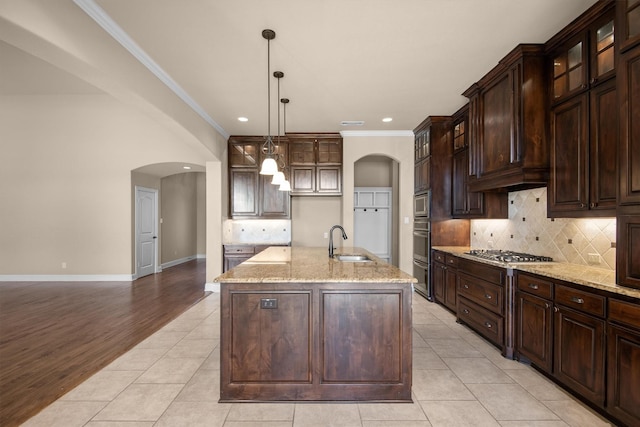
[[278, 177], [269, 165], [285, 185]]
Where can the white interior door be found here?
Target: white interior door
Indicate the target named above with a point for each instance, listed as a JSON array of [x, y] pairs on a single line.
[[146, 231]]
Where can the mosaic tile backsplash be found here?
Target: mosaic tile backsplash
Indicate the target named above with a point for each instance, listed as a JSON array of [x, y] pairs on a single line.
[[573, 240]]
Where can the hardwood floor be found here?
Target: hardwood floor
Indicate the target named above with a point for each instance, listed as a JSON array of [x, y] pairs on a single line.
[[55, 335]]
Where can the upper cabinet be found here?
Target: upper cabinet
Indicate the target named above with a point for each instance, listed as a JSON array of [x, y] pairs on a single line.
[[584, 129], [465, 203], [252, 195], [508, 147], [315, 164], [422, 158]]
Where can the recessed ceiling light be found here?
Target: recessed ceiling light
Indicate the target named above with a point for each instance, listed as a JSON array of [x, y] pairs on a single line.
[[186, 167], [243, 119], [387, 119]]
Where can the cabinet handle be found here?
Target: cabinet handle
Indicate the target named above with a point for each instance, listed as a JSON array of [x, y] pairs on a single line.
[[593, 80], [465, 286], [533, 286], [582, 205], [556, 309], [577, 300], [488, 325], [487, 296], [593, 204], [465, 311], [546, 305]]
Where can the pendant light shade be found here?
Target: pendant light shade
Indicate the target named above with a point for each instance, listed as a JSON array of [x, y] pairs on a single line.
[[278, 178], [285, 186], [269, 166]]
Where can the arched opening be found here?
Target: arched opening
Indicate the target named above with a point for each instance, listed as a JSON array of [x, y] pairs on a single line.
[[376, 196]]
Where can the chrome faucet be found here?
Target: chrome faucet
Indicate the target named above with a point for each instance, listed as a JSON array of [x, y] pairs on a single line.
[[344, 236]]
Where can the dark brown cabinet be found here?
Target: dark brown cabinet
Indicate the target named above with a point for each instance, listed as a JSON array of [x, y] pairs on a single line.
[[623, 361], [445, 279], [481, 300], [579, 343], [534, 320], [507, 120], [422, 159], [237, 254], [252, 195], [316, 164], [584, 129], [465, 203]]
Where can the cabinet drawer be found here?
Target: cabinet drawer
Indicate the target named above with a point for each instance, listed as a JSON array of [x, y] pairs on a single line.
[[488, 324], [239, 249], [624, 312], [535, 286], [483, 271], [487, 295], [581, 300], [439, 256], [451, 260]]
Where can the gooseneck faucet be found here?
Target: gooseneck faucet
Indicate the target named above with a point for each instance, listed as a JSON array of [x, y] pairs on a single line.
[[344, 236]]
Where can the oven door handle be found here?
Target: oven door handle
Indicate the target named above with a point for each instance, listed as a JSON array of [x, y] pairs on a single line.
[[421, 233], [420, 264]]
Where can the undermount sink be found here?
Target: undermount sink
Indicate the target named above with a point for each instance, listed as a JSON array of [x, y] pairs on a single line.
[[352, 258]]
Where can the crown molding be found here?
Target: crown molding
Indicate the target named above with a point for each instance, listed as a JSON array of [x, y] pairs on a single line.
[[354, 133], [114, 30]]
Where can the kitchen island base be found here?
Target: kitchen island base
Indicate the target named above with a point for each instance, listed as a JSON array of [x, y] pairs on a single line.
[[315, 342]]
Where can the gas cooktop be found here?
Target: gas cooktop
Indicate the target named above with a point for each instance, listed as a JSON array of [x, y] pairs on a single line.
[[507, 256]]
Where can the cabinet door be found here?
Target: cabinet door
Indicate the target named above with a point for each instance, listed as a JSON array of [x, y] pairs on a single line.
[[579, 349], [451, 288], [498, 131], [439, 282], [623, 372], [244, 192], [329, 180], [329, 151], [302, 152], [534, 332], [244, 154], [628, 23], [303, 179], [570, 68], [603, 148], [465, 203], [628, 80], [628, 250], [274, 203], [568, 186]]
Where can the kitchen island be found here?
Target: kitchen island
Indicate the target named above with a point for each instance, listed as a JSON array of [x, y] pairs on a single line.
[[297, 325]]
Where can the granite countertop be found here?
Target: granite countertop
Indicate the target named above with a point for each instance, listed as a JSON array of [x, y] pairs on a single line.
[[597, 278], [312, 264]]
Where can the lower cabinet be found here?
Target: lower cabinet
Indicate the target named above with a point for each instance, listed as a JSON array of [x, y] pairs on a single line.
[[445, 279], [481, 299], [588, 341], [623, 361]]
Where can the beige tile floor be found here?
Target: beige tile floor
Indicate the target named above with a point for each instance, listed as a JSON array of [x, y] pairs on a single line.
[[172, 379]]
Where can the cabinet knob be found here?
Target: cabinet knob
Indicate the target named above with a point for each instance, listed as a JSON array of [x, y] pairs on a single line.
[[593, 80], [465, 311], [465, 286], [487, 296], [546, 305], [556, 309], [593, 204], [582, 205], [533, 286], [577, 300], [488, 325]]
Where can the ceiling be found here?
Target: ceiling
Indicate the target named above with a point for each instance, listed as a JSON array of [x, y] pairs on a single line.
[[342, 59]]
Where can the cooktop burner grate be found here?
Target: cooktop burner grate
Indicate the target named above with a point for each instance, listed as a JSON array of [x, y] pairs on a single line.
[[507, 256]]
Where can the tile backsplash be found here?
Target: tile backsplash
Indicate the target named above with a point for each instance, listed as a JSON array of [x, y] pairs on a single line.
[[587, 241]]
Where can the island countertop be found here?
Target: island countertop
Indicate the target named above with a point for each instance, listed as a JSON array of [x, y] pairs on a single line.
[[313, 265]]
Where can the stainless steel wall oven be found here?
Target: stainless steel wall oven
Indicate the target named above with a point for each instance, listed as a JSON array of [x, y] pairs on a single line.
[[422, 256]]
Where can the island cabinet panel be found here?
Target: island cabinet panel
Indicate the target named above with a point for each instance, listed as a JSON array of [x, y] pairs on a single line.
[[354, 325], [317, 342], [270, 344]]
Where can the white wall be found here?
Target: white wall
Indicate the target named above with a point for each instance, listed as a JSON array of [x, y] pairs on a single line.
[[65, 181]]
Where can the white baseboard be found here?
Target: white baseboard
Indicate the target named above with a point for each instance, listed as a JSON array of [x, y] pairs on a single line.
[[177, 261], [66, 278], [212, 287]]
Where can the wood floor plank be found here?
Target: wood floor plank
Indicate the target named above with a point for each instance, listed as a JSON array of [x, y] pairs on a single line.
[[55, 335]]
